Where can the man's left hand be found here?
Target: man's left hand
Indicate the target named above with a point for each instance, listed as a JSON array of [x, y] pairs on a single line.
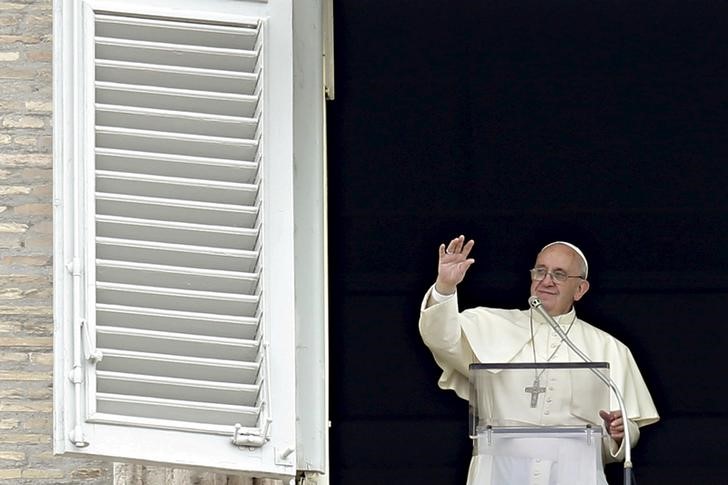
[[614, 424]]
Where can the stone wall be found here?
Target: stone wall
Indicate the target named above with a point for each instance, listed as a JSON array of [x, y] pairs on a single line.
[[26, 245], [26, 322]]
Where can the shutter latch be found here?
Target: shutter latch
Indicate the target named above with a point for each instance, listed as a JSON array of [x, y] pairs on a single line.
[[90, 351], [255, 439]]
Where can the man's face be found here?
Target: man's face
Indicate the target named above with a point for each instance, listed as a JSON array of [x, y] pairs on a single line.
[[558, 297]]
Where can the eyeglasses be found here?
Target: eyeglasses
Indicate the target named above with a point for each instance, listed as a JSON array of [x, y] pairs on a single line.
[[538, 274]]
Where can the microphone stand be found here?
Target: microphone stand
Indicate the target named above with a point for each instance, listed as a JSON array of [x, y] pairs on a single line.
[[535, 303]]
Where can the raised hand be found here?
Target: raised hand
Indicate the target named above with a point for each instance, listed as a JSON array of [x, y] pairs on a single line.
[[453, 264]]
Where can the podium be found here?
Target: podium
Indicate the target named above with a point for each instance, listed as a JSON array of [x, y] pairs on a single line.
[[537, 423]]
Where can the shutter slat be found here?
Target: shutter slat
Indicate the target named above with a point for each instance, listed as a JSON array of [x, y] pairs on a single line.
[[192, 99], [176, 232], [175, 276], [176, 77], [176, 410], [142, 340], [176, 210], [176, 121], [182, 188], [184, 166], [176, 143], [177, 321], [177, 55], [160, 423], [183, 367], [176, 255], [177, 299], [180, 32], [173, 388]]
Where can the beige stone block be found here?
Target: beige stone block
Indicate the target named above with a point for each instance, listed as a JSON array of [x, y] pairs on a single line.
[[42, 473], [16, 279], [25, 310], [12, 455], [33, 209], [12, 294], [46, 342], [9, 20], [24, 261], [44, 227], [4, 174], [20, 121], [10, 105], [21, 39], [9, 56], [42, 191], [45, 456], [46, 106], [9, 424], [27, 438], [5, 139], [24, 376], [26, 407], [38, 328], [9, 327], [39, 22], [25, 393], [45, 143], [26, 160], [41, 358], [10, 473], [38, 243], [35, 174], [13, 357], [26, 141], [11, 6], [14, 190], [13, 227], [87, 473], [37, 425], [16, 74], [40, 56], [13, 92], [10, 241]]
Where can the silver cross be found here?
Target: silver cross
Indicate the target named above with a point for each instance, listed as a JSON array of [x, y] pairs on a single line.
[[535, 390]]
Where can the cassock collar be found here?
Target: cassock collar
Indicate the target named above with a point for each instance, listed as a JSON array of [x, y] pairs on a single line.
[[564, 320]]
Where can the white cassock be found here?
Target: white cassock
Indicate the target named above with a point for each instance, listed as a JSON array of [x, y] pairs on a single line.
[[489, 335]]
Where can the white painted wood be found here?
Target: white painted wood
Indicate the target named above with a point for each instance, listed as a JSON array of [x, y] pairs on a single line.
[[190, 240]]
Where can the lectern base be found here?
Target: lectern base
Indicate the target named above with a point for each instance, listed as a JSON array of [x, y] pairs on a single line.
[[531, 456]]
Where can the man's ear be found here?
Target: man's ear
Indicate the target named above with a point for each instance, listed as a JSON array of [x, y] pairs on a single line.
[[581, 290]]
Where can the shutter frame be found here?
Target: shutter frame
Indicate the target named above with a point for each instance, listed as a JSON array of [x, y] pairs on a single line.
[[111, 436]]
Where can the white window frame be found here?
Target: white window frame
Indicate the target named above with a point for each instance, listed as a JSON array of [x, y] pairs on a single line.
[[294, 256]]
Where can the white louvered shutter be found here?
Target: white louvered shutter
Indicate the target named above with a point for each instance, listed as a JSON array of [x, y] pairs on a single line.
[[176, 211]]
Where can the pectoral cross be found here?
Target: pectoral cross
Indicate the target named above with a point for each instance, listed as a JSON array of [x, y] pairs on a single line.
[[535, 390]]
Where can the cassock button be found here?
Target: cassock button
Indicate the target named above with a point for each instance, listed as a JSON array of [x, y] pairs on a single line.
[[546, 412]]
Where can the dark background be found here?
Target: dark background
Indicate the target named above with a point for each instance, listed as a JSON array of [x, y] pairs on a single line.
[[518, 122]]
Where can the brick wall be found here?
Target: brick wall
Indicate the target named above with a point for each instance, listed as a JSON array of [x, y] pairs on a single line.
[[26, 245], [26, 323]]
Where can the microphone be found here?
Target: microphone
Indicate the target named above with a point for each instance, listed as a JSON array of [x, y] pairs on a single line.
[[535, 303]]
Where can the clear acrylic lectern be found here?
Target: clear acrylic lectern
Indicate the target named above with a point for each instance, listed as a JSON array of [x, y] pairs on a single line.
[[537, 423]]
